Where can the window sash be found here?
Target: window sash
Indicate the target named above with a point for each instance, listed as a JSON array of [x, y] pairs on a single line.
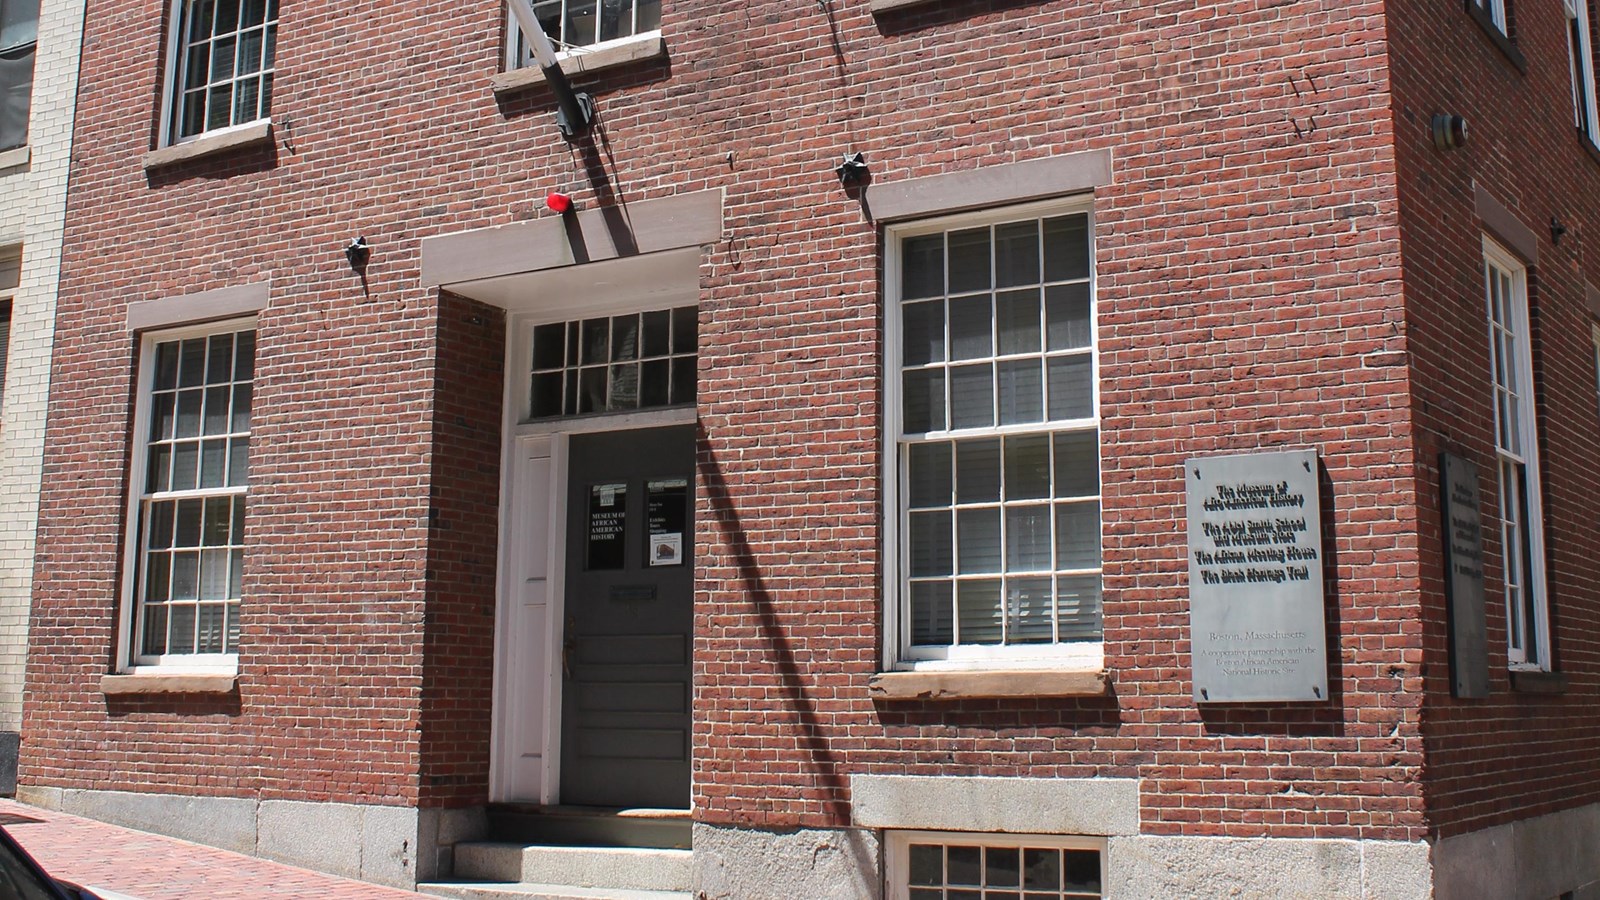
[[898, 864], [222, 66], [195, 566], [1007, 604], [578, 26], [1580, 50], [1496, 10], [1516, 452]]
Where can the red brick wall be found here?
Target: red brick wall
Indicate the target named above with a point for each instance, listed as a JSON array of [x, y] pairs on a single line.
[[1517, 753], [1248, 260], [458, 655]]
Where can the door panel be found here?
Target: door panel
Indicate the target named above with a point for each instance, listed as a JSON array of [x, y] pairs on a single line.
[[629, 595]]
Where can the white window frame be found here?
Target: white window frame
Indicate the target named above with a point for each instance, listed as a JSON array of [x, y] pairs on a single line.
[[1496, 11], [1518, 534], [1594, 335], [1580, 50], [897, 852], [513, 60], [1072, 655], [130, 661], [172, 93]]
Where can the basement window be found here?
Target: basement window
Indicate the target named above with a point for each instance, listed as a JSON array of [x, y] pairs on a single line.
[[954, 866]]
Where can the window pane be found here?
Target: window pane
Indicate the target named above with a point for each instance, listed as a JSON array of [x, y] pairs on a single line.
[[1029, 611], [1066, 247], [596, 341], [1021, 392], [1078, 535], [219, 358], [685, 329], [978, 471], [932, 616], [213, 463], [214, 576], [922, 267], [972, 396], [978, 609], [1018, 315], [1002, 866], [978, 540], [1078, 607], [160, 475], [930, 543], [1077, 461], [624, 338], [546, 398], [216, 414], [186, 532], [210, 627], [1028, 538], [969, 261], [189, 405], [166, 366], [654, 380], [161, 524], [657, 332], [181, 639], [1082, 871], [185, 466], [929, 475], [624, 387], [927, 865], [242, 395], [238, 462], [1016, 254], [185, 576], [648, 16], [1067, 316], [591, 389], [1071, 390], [155, 630], [683, 379], [244, 357], [1027, 467], [923, 401], [1041, 870], [923, 340], [157, 577], [970, 321]]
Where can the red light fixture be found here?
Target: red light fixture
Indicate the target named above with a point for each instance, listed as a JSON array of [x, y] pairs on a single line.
[[558, 202]]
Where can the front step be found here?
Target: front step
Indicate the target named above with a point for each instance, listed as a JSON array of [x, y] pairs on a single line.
[[519, 891], [614, 868], [584, 826]]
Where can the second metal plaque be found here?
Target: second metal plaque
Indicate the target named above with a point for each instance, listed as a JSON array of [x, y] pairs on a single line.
[[1255, 578]]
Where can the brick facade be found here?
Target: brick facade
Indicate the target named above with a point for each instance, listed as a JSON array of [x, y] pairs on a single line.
[[1282, 260]]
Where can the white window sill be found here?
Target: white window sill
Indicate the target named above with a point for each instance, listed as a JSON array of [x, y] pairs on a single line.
[[924, 684], [16, 157], [174, 683], [609, 55], [210, 143]]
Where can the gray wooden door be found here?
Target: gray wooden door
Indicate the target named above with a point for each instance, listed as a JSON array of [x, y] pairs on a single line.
[[628, 622]]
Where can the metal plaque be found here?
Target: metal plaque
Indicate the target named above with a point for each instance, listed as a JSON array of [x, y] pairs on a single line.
[[1463, 569], [1255, 578]]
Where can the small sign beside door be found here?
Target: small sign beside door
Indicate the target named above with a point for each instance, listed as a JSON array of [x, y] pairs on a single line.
[[608, 504], [666, 518]]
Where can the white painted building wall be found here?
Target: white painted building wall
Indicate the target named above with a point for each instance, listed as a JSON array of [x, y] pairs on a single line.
[[32, 209]]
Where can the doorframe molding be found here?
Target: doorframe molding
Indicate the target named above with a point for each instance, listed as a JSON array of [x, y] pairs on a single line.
[[520, 441]]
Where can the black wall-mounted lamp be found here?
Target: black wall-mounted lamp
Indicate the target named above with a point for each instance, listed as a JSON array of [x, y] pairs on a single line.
[[1557, 230], [1449, 131], [853, 170], [357, 252], [574, 110]]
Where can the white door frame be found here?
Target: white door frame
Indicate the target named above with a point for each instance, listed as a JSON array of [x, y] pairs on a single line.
[[525, 754]]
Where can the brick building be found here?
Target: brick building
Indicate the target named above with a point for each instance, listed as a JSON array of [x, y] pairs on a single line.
[[845, 521]]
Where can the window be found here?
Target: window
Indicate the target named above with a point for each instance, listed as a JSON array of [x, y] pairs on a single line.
[[190, 468], [614, 363], [577, 24], [19, 35], [1517, 456], [222, 64], [1493, 11], [996, 437], [10, 276], [934, 866], [1580, 49]]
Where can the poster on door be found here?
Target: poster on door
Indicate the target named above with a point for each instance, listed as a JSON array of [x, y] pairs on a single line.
[[608, 504], [667, 521]]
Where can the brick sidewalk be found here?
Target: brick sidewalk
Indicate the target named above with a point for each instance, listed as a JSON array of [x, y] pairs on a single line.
[[151, 867]]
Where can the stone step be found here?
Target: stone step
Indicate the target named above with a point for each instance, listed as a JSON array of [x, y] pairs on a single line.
[[583, 826], [512, 890], [628, 868]]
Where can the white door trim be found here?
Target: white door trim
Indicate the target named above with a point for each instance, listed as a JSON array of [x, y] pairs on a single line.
[[525, 756]]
